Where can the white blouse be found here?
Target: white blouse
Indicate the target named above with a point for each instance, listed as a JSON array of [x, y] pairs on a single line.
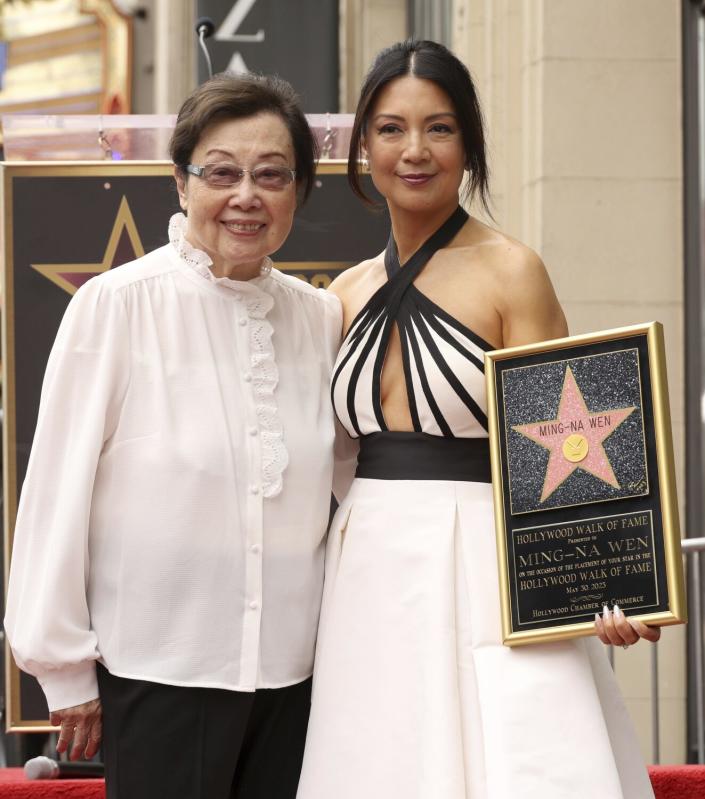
[[173, 516]]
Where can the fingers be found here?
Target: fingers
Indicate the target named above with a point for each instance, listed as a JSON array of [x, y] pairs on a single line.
[[613, 627], [600, 630], [94, 737], [649, 633], [612, 632], [86, 739], [80, 741], [65, 736], [80, 729], [627, 634]]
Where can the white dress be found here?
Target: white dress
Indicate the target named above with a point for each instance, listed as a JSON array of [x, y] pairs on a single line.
[[415, 697]]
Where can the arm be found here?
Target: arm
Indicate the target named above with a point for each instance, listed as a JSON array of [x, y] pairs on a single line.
[[47, 616], [531, 312], [345, 449], [355, 285], [528, 304]]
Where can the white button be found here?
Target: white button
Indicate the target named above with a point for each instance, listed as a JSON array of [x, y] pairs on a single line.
[[242, 322], [247, 377], [254, 489], [253, 431], [254, 548], [253, 605]]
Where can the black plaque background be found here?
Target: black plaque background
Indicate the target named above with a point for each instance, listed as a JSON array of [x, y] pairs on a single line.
[[603, 379], [69, 219], [651, 501]]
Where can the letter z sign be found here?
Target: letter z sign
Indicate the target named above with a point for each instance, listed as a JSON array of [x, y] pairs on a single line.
[[228, 31]]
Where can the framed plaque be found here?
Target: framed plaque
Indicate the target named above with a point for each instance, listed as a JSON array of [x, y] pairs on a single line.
[[584, 489]]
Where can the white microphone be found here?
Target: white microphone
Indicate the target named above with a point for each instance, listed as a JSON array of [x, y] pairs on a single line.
[[44, 768]]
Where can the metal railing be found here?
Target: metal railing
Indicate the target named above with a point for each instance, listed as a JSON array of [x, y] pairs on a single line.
[[692, 547]]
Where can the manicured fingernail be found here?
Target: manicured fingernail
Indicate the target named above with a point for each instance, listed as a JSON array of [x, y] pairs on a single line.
[[597, 617], [618, 611], [605, 612]]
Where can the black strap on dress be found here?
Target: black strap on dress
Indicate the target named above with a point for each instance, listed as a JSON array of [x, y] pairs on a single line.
[[394, 455], [394, 290], [399, 302], [392, 295]]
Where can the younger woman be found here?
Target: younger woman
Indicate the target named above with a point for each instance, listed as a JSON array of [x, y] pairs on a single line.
[[415, 696]]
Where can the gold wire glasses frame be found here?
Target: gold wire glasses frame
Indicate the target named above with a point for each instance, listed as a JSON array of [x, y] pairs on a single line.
[[267, 176]]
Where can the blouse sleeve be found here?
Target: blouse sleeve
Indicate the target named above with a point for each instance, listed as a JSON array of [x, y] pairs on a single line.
[[47, 616]]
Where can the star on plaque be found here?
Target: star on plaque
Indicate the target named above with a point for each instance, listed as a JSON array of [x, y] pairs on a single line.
[[124, 245], [574, 438]]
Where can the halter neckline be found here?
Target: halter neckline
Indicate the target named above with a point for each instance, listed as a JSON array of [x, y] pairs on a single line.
[[436, 241], [442, 359]]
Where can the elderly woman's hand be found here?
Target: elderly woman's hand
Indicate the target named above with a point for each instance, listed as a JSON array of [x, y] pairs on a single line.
[[83, 725], [613, 627]]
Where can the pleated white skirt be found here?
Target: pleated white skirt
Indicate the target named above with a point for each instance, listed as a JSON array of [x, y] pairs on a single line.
[[415, 697]]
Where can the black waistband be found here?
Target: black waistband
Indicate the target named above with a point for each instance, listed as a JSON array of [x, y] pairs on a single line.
[[419, 456]]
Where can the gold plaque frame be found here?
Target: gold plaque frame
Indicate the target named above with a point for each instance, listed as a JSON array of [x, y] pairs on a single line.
[[657, 431]]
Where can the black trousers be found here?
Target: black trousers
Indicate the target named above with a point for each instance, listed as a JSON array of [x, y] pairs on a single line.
[[163, 741]]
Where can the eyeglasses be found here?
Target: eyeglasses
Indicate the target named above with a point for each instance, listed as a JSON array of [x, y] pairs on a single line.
[[268, 176]]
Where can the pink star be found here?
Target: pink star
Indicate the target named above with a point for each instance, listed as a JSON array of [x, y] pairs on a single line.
[[574, 438]]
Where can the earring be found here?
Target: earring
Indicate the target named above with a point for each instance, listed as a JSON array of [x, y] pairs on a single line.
[[366, 164]]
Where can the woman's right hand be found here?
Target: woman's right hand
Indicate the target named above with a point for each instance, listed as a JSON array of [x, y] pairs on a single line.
[[81, 729]]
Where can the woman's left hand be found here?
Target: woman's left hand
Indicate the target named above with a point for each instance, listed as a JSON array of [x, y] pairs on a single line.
[[81, 729], [613, 627]]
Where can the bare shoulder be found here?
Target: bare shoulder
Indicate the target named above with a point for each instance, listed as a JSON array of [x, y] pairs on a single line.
[[353, 276], [523, 293], [356, 285], [508, 259]]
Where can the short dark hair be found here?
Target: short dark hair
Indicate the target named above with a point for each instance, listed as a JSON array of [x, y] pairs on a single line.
[[230, 96], [430, 61]]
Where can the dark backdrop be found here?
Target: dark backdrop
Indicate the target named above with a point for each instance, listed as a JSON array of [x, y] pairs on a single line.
[[296, 39]]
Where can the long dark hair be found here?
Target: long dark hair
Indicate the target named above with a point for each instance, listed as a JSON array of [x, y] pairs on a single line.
[[430, 61]]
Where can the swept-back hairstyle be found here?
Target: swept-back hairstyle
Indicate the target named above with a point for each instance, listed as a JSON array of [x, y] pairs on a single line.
[[430, 61], [229, 96]]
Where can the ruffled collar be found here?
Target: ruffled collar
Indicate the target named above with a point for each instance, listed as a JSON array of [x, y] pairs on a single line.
[[201, 262]]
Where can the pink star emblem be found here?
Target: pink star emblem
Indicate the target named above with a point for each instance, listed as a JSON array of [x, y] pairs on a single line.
[[574, 438]]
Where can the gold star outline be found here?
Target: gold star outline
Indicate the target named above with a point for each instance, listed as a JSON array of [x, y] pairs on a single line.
[[124, 221]]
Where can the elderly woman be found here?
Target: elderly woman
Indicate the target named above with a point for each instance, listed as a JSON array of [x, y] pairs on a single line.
[[167, 564]]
